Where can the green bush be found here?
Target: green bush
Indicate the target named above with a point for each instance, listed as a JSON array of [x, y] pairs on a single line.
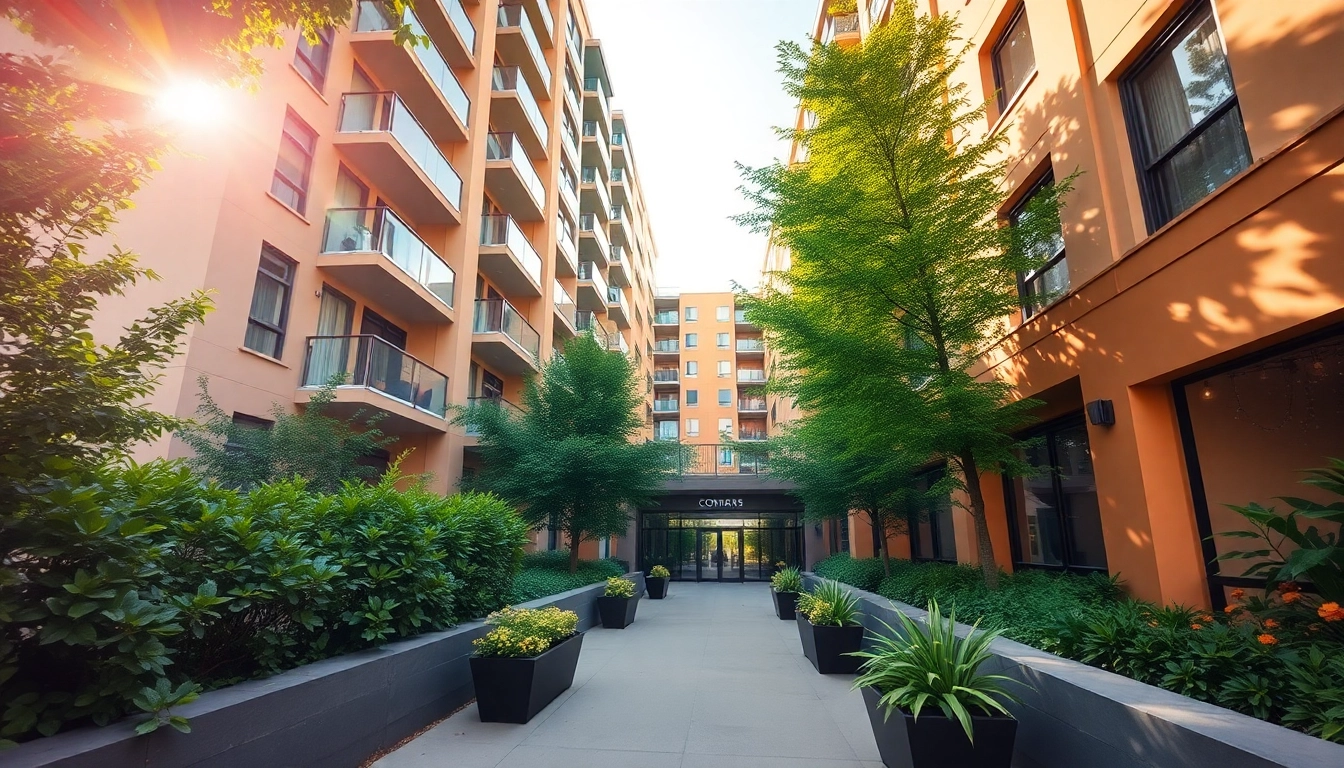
[[830, 604], [547, 573], [140, 584], [864, 573]]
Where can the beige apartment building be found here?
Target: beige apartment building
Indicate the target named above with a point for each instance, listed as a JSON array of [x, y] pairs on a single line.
[[429, 223], [1190, 355]]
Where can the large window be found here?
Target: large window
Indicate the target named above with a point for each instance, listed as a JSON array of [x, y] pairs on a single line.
[[723, 314], [294, 163], [270, 303], [666, 430], [692, 368], [931, 534], [692, 314], [692, 340], [1014, 59], [725, 369], [1184, 122], [1053, 515], [725, 397], [1050, 280], [312, 59]]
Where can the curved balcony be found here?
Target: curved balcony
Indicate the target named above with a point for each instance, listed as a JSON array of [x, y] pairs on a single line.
[[503, 339], [376, 250], [379, 377], [507, 258], [514, 109], [511, 178], [420, 73]]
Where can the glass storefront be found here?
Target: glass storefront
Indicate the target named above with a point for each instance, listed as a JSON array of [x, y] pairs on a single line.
[[1053, 515], [720, 547]]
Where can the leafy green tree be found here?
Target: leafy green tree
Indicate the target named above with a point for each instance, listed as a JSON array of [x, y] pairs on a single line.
[[901, 274], [573, 460], [323, 450]]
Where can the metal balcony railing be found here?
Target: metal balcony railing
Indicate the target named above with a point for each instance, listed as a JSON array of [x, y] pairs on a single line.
[[750, 345], [499, 316], [751, 404], [488, 401], [666, 374], [750, 374], [369, 362], [751, 434], [379, 230], [667, 345], [720, 460], [669, 317]]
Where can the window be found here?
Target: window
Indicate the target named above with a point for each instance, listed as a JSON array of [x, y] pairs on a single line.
[[692, 368], [932, 536], [725, 369], [312, 59], [295, 161], [1184, 122], [692, 397], [666, 430], [723, 314], [1014, 60], [270, 303], [692, 340], [692, 427], [1053, 517], [725, 456], [1050, 280], [725, 397], [721, 340], [725, 425], [692, 314]]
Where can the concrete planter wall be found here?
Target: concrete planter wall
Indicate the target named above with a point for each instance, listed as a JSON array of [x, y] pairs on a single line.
[[334, 713], [1076, 715]]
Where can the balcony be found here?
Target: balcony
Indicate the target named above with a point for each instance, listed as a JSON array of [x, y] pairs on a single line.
[[594, 148], [585, 320], [448, 24], [742, 325], [617, 272], [751, 348], [380, 378], [595, 104], [616, 343], [514, 109], [665, 347], [565, 311], [666, 377], [489, 401], [666, 317], [503, 339], [750, 376], [380, 253], [592, 287], [593, 197], [618, 232], [507, 258], [511, 179], [616, 309], [619, 195], [593, 243], [618, 140], [380, 138], [841, 28], [567, 250], [419, 73], [666, 405], [751, 405], [516, 44], [752, 435]]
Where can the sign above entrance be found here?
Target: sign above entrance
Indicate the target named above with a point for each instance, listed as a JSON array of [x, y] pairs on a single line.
[[728, 503]]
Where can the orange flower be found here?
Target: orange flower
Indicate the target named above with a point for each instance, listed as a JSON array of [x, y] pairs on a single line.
[[1291, 597], [1271, 624], [1206, 618], [1267, 639], [1238, 593], [1196, 627], [1330, 612], [1233, 608]]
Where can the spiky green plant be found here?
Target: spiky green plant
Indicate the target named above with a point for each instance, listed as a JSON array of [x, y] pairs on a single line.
[[787, 580], [830, 604], [920, 666]]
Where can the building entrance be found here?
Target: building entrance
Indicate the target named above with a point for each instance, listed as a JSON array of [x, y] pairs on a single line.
[[748, 547], [720, 557]]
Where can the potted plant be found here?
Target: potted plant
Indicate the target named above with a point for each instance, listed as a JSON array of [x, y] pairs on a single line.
[[617, 604], [656, 582], [927, 701], [522, 664], [828, 625], [784, 588]]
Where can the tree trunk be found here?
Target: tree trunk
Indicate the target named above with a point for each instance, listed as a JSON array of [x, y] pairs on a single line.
[[879, 525], [989, 568], [573, 550]]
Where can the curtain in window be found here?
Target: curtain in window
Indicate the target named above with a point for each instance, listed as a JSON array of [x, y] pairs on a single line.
[[268, 304], [330, 356]]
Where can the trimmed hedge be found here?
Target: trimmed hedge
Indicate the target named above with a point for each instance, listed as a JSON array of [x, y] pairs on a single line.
[[547, 573], [864, 573]]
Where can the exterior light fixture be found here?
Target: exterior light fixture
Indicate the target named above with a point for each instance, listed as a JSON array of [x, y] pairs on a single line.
[[1101, 413]]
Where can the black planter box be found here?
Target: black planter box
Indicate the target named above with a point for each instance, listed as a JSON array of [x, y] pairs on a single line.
[[617, 612], [786, 604], [934, 741], [826, 647], [657, 586], [515, 690]]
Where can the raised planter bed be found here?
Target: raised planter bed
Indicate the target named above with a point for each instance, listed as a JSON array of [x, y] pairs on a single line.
[[826, 646], [515, 690], [786, 604], [656, 586], [617, 612], [933, 741]]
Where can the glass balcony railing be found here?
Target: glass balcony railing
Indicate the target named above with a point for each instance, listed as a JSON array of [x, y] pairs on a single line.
[[618, 174], [499, 316], [616, 343], [618, 138], [751, 404], [739, 315], [750, 345], [505, 146], [384, 112], [588, 174], [373, 17], [617, 214], [369, 362], [511, 79], [590, 129], [665, 406], [586, 319], [378, 230], [613, 295], [667, 345], [668, 317], [564, 303], [499, 229], [514, 17], [488, 401], [617, 254], [589, 271], [574, 39], [594, 85], [750, 374], [751, 434], [462, 23], [666, 374]]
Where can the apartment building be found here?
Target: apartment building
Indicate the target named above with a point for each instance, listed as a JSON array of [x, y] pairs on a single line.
[[427, 222], [1189, 356]]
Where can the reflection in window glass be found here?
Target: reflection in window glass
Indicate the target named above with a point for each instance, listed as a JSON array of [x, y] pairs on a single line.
[[1014, 59], [1054, 514]]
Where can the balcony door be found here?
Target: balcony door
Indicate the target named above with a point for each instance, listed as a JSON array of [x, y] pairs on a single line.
[[331, 356], [388, 369]]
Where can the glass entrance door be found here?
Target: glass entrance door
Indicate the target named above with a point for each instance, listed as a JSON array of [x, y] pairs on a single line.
[[720, 554]]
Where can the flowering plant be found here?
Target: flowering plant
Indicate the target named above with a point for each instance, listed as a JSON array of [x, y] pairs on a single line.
[[659, 572], [787, 580], [830, 604], [618, 586], [525, 632]]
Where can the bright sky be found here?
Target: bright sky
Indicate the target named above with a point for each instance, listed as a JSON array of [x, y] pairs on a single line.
[[697, 82]]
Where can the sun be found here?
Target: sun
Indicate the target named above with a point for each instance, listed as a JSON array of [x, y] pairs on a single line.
[[191, 102]]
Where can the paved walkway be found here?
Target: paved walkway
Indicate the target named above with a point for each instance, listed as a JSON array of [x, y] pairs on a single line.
[[705, 678]]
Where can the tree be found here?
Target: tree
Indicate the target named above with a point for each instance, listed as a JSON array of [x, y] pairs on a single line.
[[901, 274], [573, 460], [323, 450]]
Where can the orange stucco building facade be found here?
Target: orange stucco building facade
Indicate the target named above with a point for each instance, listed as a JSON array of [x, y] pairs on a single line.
[[1189, 350]]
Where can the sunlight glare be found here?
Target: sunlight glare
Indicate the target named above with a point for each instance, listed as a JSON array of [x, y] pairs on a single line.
[[190, 102]]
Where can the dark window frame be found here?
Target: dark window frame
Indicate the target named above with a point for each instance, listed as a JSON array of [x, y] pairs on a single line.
[[304, 64], [1010, 502], [1155, 207], [1024, 279], [935, 535], [292, 267], [1004, 98], [299, 188]]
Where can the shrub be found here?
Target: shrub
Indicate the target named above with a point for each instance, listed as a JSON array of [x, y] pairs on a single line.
[[830, 604], [547, 573], [659, 572], [137, 581], [864, 573], [525, 632], [619, 586], [787, 580]]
